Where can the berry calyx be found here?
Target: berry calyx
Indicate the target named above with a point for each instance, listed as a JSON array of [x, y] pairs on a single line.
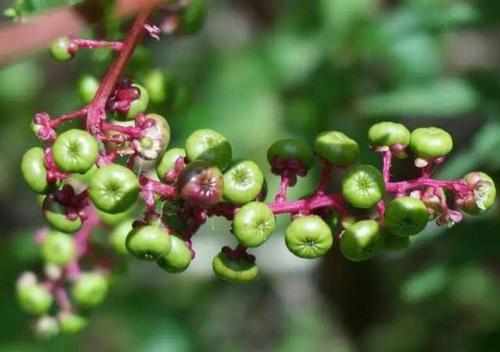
[[482, 195], [336, 148], [308, 237], [209, 146], [361, 241], [406, 216], [57, 217], [148, 242], [363, 186], [253, 224], [168, 161], [290, 155], [243, 181]]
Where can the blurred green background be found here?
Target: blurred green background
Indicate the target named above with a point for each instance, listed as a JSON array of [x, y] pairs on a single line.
[[262, 70]]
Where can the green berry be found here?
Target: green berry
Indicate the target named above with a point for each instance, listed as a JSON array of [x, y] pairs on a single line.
[[308, 237], [430, 143], [118, 237], [148, 242], [178, 258], [60, 49], [46, 328], [87, 88], [55, 214], [117, 218], [234, 269], [138, 105], [210, 146], [243, 181], [90, 289], [34, 171], [393, 242], [336, 148], [483, 193], [75, 151], [114, 189], [160, 86], [71, 323], [388, 134], [34, 298], [291, 149], [406, 216], [58, 248], [253, 224], [167, 161], [192, 17], [363, 186], [361, 241]]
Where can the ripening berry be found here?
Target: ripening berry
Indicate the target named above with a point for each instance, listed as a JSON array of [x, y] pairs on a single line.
[[167, 161], [201, 184], [288, 150], [55, 215]]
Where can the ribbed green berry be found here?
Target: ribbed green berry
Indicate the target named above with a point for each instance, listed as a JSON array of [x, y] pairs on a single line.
[[235, 270], [388, 134], [336, 148], [308, 237], [406, 216], [148, 242], [430, 142], [363, 186], [34, 171], [209, 146], [55, 214], [291, 149], [253, 224], [75, 151], [59, 49], [58, 248], [90, 289], [361, 241], [243, 181], [178, 258]]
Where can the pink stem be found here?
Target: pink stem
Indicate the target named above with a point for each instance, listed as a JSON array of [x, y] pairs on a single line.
[[284, 184], [325, 177], [306, 205], [96, 44], [69, 116], [63, 299], [458, 186], [387, 164], [133, 132]]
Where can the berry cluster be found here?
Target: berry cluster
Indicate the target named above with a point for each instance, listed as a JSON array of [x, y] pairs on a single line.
[[118, 174]]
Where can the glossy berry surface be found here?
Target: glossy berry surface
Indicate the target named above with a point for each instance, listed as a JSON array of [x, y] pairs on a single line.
[[406, 216], [34, 171], [56, 216], [361, 241], [234, 269], [253, 224], [308, 237], [430, 142], [148, 242], [285, 151], [87, 88], [363, 186], [209, 146], [113, 189], [243, 181], [201, 184], [336, 148], [75, 151], [167, 161], [178, 258], [388, 134], [118, 236]]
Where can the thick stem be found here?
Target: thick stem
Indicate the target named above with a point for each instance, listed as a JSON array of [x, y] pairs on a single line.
[[325, 177], [96, 44], [305, 206], [401, 187]]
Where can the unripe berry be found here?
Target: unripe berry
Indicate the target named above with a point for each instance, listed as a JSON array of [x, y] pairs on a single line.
[[71, 323], [243, 181], [90, 289], [430, 143], [201, 184], [137, 106], [336, 148], [388, 134], [87, 88], [406, 216], [308, 237], [363, 186], [46, 328], [75, 151], [178, 258], [58, 248], [361, 241], [234, 269], [114, 189], [290, 150], [34, 171], [253, 224], [209, 146], [60, 49], [148, 242], [118, 237], [482, 195], [55, 214], [167, 161], [34, 298]]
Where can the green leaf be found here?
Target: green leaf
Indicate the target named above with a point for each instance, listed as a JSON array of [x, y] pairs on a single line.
[[445, 97], [424, 284]]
